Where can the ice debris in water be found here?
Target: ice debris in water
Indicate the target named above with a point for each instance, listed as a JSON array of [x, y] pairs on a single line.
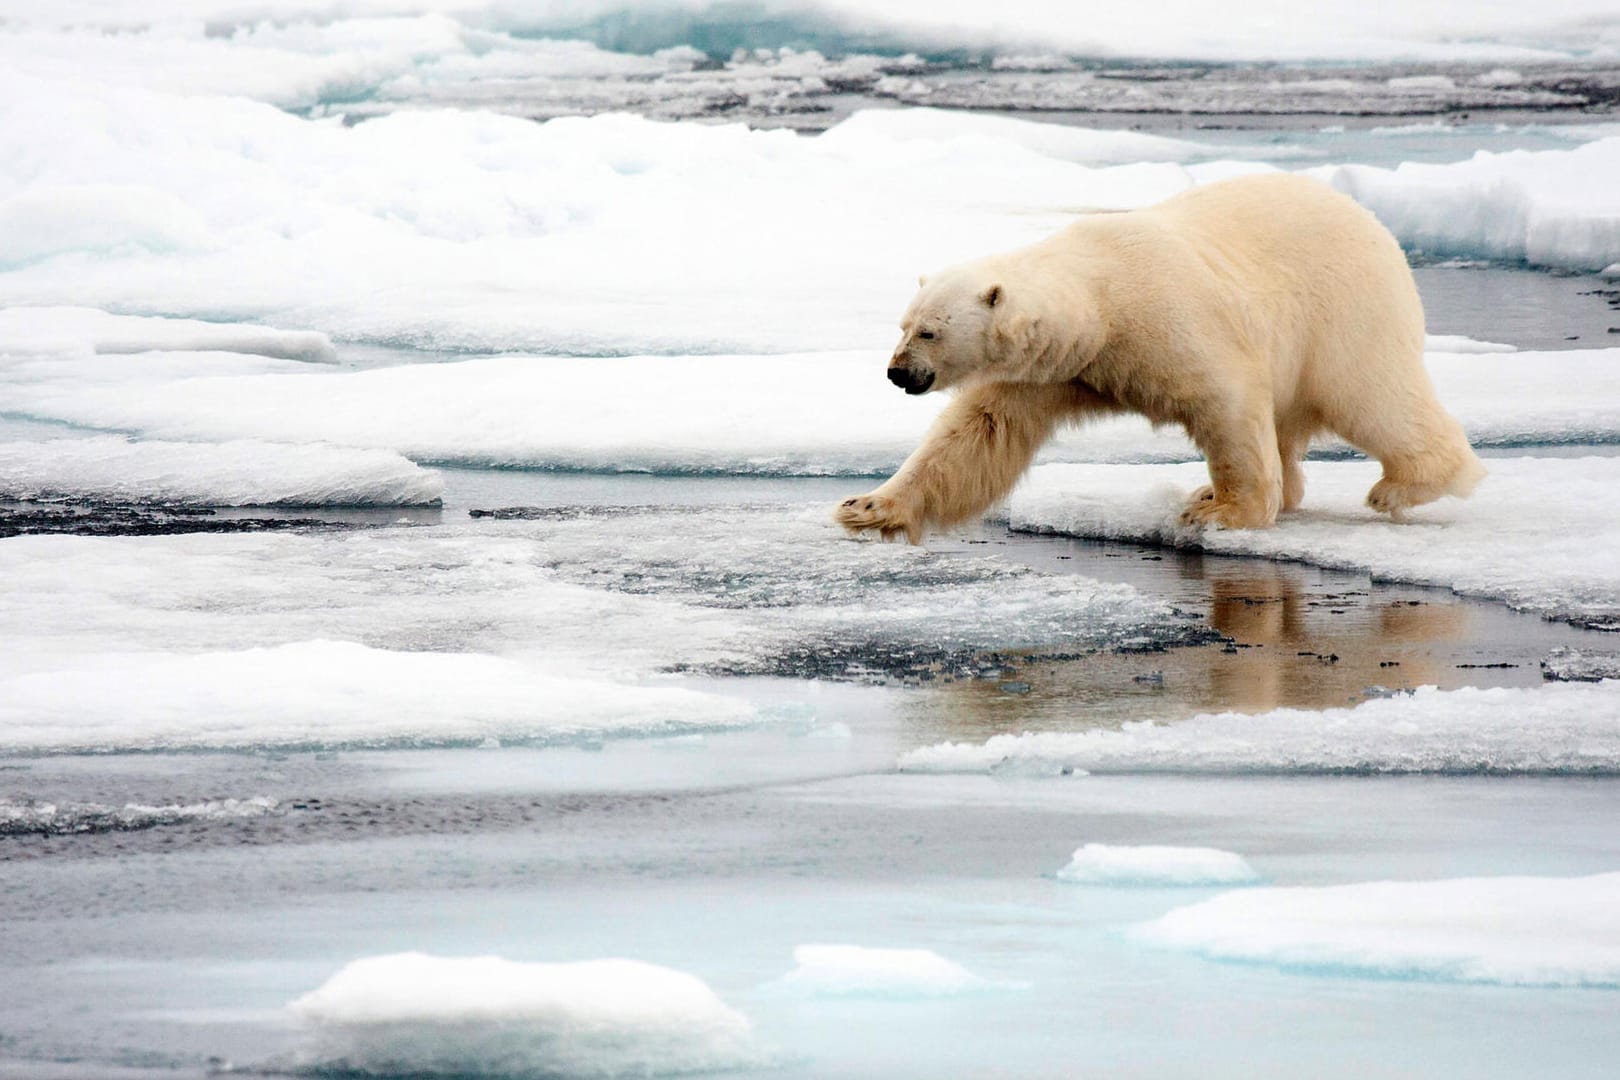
[[858, 971], [413, 1014], [29, 816], [1154, 865], [1517, 931], [1565, 664]]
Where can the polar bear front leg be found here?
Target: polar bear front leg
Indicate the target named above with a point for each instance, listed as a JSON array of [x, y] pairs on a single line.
[[1245, 469], [972, 456]]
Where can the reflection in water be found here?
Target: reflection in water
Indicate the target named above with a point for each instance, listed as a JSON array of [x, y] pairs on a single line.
[[1297, 636]]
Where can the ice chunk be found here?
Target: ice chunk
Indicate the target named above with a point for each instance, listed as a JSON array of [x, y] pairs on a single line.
[[1517, 931], [1152, 865], [1539, 533], [236, 473], [1564, 664], [1458, 343], [858, 971], [76, 331], [420, 1015], [1557, 728], [328, 693]]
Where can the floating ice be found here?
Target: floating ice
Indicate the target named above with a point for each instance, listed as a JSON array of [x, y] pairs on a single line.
[[1538, 533], [1517, 931], [989, 133], [34, 333], [1153, 865], [420, 1015], [328, 693], [857, 971], [1557, 728], [236, 473]]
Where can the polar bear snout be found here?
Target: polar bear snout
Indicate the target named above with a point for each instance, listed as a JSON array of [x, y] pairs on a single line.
[[910, 381]]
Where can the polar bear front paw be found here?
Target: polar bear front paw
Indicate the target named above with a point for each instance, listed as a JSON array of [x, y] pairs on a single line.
[[1205, 509], [883, 513]]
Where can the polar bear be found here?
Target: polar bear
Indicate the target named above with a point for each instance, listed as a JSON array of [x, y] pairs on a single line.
[[1253, 312]]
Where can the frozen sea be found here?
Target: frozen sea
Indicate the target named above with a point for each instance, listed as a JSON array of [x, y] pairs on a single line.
[[425, 649]]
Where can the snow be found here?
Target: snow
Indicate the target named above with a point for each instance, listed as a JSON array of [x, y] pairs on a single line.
[[1559, 728], [236, 473], [329, 693], [1513, 931], [1151, 865], [856, 971], [1538, 533], [422, 1015]]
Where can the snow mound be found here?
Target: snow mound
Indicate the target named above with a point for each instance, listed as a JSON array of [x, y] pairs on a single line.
[[325, 693], [411, 1014], [1556, 728], [1458, 343], [242, 472], [79, 330], [1515, 931], [857, 971], [1153, 865], [1538, 533]]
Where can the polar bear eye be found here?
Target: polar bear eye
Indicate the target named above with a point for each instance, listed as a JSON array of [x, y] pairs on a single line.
[[926, 335]]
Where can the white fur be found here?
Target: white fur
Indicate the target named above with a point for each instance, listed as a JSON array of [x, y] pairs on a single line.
[[1254, 312]]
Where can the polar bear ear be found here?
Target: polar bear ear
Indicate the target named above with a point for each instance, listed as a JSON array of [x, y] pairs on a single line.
[[922, 279], [991, 296]]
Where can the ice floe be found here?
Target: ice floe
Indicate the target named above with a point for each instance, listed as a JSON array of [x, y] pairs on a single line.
[[1565, 664], [420, 1015], [1516, 931], [687, 414], [615, 234], [1538, 533], [1548, 208], [1151, 865], [1557, 728], [858, 971], [235, 473], [329, 693]]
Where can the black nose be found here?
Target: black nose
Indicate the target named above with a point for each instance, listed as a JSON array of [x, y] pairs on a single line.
[[910, 381]]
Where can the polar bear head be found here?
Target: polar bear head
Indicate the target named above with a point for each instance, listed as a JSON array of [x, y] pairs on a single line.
[[987, 320]]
